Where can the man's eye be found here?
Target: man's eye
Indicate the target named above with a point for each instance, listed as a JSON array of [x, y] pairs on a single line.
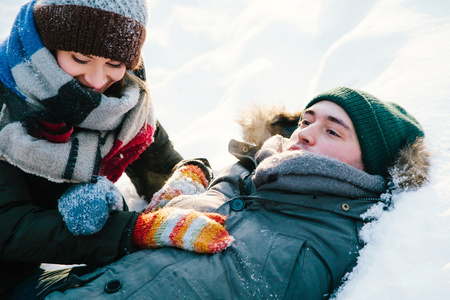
[[332, 132], [304, 123], [79, 60]]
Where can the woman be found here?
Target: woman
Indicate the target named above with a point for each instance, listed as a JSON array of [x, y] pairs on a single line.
[[75, 115]]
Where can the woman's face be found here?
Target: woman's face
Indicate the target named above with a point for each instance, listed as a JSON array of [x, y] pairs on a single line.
[[92, 72]]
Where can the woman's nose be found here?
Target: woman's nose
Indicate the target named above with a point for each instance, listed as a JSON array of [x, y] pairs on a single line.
[[96, 78]]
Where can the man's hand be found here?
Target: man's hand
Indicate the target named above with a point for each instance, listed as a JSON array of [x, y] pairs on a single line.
[[182, 228]]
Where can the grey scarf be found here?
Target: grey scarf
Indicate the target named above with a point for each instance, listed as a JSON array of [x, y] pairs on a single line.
[[101, 135], [308, 173]]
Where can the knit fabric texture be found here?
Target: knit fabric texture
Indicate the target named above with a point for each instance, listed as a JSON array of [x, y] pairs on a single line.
[[53, 127], [113, 29], [186, 180], [85, 207], [182, 228], [383, 128]]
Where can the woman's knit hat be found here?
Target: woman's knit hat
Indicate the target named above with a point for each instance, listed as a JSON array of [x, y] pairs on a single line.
[[113, 29], [383, 128]]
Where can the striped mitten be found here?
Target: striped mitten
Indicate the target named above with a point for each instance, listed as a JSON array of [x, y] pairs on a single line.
[[182, 228], [191, 177]]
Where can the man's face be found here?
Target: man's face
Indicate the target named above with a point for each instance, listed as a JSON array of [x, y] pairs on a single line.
[[326, 129]]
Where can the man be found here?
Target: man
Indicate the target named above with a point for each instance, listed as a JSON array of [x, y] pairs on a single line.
[[294, 209]]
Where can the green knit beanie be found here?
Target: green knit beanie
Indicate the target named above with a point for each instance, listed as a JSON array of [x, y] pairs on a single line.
[[383, 128]]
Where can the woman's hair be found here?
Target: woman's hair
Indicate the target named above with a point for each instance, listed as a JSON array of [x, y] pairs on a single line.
[[116, 89], [143, 86]]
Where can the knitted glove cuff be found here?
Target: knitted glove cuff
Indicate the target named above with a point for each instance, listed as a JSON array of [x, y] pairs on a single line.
[[183, 228]]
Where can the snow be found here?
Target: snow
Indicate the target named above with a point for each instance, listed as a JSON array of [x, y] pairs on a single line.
[[207, 59]]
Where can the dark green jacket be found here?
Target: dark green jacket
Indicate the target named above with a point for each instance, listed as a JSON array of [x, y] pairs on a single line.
[[287, 246], [33, 232]]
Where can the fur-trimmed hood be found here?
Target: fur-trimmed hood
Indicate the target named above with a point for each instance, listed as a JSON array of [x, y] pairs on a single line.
[[259, 123]]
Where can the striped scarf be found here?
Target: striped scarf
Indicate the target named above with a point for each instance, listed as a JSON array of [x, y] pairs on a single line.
[[52, 127]]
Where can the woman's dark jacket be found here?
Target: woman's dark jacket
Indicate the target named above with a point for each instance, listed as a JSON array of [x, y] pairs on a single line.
[[33, 232], [287, 246]]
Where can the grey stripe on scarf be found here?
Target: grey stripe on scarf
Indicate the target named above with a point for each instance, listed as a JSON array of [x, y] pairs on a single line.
[[308, 173]]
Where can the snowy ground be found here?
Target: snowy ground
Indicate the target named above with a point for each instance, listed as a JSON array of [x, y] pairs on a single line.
[[208, 59]]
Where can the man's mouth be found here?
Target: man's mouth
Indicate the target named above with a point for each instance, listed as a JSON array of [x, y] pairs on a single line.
[[295, 147]]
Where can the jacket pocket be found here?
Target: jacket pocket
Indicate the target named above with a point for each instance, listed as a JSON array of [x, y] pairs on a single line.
[[284, 259]]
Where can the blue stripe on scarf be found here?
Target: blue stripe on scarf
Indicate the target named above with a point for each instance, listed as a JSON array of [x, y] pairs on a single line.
[[23, 42]]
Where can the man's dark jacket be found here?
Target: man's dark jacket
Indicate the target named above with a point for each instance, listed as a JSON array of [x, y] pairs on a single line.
[[287, 246]]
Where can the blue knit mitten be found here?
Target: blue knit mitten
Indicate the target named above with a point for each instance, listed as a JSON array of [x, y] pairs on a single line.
[[85, 207]]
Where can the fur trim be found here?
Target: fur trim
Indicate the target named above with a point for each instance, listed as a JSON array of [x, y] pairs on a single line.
[[412, 166], [259, 123]]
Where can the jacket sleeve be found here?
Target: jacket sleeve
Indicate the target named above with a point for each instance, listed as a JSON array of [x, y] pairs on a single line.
[[32, 234], [155, 165]]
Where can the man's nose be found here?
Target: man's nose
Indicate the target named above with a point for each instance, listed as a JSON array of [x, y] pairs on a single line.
[[307, 135]]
